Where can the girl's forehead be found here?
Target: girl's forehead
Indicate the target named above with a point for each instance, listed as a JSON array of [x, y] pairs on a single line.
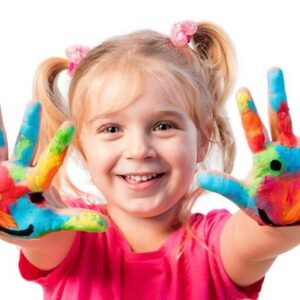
[[113, 91], [116, 91]]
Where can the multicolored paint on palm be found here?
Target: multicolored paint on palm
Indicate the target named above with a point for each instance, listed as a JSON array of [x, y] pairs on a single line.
[[24, 211], [271, 193]]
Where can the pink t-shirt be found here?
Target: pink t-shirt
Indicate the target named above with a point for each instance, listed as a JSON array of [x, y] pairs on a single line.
[[102, 266]]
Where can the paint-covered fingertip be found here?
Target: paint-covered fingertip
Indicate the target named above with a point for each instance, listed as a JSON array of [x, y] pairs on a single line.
[[208, 181], [275, 71], [87, 221], [244, 100], [276, 81], [62, 139], [64, 135], [33, 107], [243, 93]]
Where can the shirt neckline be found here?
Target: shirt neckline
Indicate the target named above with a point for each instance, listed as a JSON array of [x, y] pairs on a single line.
[[170, 244]]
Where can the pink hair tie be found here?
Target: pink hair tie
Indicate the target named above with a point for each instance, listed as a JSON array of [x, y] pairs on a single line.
[[182, 32], [74, 55]]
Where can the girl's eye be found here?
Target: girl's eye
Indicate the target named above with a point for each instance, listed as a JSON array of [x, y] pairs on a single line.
[[109, 128], [164, 125], [112, 129]]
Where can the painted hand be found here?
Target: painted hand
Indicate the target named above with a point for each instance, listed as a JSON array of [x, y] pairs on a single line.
[[271, 193], [24, 211]]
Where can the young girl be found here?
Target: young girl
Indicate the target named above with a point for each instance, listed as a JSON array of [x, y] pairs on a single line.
[[147, 108]]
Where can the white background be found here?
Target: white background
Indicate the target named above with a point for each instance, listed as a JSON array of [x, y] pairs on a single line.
[[265, 33]]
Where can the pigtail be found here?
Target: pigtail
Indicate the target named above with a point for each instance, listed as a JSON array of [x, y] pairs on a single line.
[[217, 58], [54, 113], [45, 90], [54, 108]]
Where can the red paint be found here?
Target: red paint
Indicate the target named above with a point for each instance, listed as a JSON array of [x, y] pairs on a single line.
[[284, 126], [277, 196], [9, 191]]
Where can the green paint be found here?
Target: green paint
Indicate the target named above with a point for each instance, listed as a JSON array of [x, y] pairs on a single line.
[[22, 144], [62, 140], [261, 168], [18, 173], [86, 221]]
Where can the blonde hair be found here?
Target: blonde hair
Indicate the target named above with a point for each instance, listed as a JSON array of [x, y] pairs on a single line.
[[201, 75]]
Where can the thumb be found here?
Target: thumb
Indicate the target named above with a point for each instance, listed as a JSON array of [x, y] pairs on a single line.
[[75, 218], [84, 220], [225, 185]]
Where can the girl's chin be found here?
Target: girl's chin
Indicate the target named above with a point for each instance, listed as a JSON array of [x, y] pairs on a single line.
[[138, 210]]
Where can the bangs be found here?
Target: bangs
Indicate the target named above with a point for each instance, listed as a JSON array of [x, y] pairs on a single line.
[[110, 89], [180, 91], [114, 89]]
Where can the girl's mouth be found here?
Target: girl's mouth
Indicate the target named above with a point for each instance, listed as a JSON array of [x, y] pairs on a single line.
[[142, 181]]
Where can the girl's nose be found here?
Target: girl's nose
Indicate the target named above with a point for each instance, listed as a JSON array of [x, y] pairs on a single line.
[[139, 147]]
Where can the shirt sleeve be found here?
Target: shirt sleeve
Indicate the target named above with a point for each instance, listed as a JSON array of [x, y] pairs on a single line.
[[48, 279], [215, 221]]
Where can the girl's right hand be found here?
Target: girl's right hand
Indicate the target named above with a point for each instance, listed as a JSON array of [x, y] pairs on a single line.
[[29, 207]]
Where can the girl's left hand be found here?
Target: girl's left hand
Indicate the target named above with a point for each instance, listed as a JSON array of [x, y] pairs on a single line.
[[271, 192]]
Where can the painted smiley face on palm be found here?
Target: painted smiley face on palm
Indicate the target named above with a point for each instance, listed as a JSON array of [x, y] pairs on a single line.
[[24, 211], [271, 193]]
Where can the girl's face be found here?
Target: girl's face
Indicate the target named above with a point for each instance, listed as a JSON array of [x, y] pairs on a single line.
[[143, 157]]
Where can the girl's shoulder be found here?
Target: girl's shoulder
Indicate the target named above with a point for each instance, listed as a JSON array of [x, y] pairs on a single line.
[[213, 218], [208, 227]]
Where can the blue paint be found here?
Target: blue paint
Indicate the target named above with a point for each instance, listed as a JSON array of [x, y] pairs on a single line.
[[44, 220], [276, 88], [290, 158], [2, 139], [28, 134], [227, 187], [251, 106]]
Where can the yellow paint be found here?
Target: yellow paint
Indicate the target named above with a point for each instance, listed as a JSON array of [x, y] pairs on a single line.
[[86, 221], [243, 97], [46, 168]]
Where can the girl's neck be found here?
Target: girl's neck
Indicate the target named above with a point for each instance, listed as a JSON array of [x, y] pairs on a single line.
[[144, 234]]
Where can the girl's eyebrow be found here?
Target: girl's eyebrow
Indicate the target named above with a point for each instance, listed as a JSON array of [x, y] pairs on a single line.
[[158, 114], [100, 116], [170, 113]]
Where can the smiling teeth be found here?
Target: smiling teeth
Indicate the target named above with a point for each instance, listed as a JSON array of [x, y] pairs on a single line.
[[138, 178]]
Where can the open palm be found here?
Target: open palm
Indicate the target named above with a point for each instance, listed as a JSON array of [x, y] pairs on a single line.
[[24, 210], [271, 192]]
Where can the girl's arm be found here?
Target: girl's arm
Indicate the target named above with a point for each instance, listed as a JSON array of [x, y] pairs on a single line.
[[31, 211], [50, 251], [248, 250], [269, 197], [46, 252]]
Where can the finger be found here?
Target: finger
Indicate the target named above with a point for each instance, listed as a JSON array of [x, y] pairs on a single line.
[[6, 220], [226, 186], [78, 219], [51, 159], [28, 135], [40, 221], [254, 129], [280, 120], [84, 220], [3, 140]]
